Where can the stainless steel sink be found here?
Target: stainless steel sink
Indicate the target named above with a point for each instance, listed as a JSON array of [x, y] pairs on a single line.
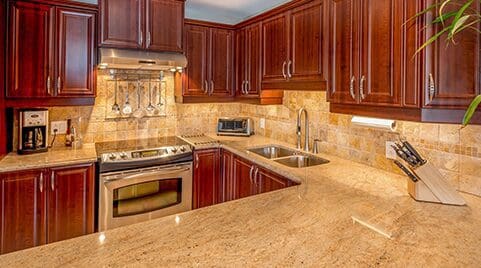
[[272, 152], [300, 161]]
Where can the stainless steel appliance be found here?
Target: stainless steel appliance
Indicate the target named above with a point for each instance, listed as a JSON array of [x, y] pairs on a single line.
[[142, 180], [241, 126], [201, 141], [33, 131]]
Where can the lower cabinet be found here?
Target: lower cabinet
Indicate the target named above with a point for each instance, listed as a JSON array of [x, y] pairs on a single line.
[[221, 176], [46, 205], [207, 183]]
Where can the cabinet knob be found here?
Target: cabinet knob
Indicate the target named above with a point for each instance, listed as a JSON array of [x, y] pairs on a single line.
[[361, 87], [284, 70], [432, 88], [289, 65], [351, 88], [41, 182], [48, 85], [206, 87], [52, 181]]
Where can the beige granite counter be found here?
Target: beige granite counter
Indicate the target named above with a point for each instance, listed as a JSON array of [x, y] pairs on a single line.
[[53, 158], [308, 225]]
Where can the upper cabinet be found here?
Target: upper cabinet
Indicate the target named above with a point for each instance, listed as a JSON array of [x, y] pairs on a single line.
[[210, 71], [61, 64], [376, 70], [142, 24], [293, 48], [452, 72], [30, 67]]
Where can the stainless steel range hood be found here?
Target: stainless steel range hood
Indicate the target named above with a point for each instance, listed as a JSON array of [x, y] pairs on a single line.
[[136, 59]]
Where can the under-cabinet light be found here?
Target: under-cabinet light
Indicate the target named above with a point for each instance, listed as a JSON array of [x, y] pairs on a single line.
[[374, 122]]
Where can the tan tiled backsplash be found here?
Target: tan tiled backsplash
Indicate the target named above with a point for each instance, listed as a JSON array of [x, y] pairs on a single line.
[[456, 152]]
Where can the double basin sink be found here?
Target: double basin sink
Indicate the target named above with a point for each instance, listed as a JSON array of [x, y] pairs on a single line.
[[288, 157]]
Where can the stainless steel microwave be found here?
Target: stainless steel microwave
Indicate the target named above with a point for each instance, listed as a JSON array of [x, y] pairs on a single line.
[[240, 126]]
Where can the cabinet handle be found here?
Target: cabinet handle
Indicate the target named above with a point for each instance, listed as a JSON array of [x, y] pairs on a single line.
[[206, 87], [361, 87], [250, 174], [432, 88], [255, 175], [48, 85], [59, 84], [243, 87], [211, 87], [351, 87], [196, 161], [284, 70], [52, 181], [289, 65], [248, 87], [41, 182], [148, 39], [141, 38]]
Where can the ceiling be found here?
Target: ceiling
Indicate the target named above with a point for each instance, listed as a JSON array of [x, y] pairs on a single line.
[[228, 11]]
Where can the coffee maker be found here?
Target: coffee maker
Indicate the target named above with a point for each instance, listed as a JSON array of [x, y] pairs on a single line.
[[33, 131]]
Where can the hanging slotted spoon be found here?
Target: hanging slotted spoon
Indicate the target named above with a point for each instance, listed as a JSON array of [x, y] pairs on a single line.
[[139, 113], [116, 107], [150, 108]]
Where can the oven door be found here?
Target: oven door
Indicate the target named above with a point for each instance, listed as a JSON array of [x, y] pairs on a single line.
[[139, 195]]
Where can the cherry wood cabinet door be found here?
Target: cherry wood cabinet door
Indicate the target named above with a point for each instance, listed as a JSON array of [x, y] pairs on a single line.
[[164, 25], [253, 46], [221, 64], [306, 42], [242, 173], [269, 181], [196, 50], [344, 51], [275, 47], [22, 210], [452, 72], [206, 178], [241, 62], [76, 48], [381, 52], [228, 186], [30, 50], [121, 23], [71, 196]]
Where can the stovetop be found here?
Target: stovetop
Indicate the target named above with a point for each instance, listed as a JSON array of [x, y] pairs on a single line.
[[132, 154]]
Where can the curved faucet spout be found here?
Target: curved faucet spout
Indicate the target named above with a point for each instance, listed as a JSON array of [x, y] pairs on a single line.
[[306, 129]]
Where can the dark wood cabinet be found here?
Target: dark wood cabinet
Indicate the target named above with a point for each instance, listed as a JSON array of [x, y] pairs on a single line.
[[242, 177], [249, 61], [367, 72], [210, 53], [142, 24], [30, 72], [76, 58], [71, 196], [22, 210], [61, 64], [46, 205], [226, 169], [121, 23], [269, 181], [207, 181], [164, 24], [293, 48], [452, 71]]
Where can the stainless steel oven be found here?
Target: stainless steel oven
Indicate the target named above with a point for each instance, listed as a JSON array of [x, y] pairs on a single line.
[[143, 194], [142, 180]]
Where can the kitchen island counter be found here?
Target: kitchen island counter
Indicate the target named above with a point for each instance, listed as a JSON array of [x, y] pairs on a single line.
[[313, 224]]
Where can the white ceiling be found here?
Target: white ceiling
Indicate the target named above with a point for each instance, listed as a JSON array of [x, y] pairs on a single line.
[[228, 11]]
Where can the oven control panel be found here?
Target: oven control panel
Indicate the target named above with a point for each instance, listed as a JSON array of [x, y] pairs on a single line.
[[146, 154]]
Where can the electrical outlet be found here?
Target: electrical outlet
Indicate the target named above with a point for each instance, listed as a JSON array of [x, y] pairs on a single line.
[[390, 152], [262, 123], [60, 126]]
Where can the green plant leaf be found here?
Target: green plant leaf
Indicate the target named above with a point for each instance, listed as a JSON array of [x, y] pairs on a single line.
[[444, 17], [471, 110], [432, 39], [441, 9], [459, 19]]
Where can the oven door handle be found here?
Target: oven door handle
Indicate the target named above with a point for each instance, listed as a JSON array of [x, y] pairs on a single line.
[[164, 171]]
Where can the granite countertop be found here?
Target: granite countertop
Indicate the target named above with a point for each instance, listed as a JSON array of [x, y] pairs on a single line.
[[53, 158], [307, 225]]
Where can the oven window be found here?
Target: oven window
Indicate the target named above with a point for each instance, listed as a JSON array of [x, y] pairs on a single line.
[[146, 197]]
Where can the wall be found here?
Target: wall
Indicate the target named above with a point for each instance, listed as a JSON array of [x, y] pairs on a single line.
[[456, 152]]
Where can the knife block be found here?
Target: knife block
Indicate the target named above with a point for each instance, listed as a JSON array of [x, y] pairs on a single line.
[[433, 187]]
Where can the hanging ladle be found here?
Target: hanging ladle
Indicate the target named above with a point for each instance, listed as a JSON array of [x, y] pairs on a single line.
[[116, 107], [127, 110], [150, 108], [138, 113]]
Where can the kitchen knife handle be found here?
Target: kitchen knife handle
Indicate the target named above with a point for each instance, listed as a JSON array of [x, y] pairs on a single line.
[[414, 152], [406, 171]]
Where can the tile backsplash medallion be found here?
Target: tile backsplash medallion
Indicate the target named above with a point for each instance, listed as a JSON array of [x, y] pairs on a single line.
[[456, 152]]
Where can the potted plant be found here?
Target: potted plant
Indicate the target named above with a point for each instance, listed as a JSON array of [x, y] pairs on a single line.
[[455, 16]]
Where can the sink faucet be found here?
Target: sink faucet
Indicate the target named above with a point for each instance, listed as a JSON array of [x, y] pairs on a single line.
[[306, 142]]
